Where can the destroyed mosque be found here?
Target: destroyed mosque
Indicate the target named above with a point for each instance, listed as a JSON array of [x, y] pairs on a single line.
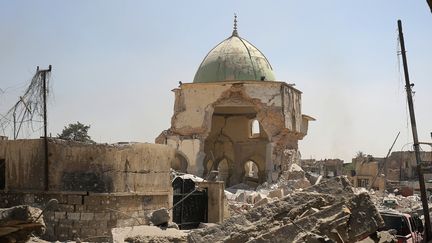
[[235, 117], [235, 127]]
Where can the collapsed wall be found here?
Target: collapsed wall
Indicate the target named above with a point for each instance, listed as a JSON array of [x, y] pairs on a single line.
[[98, 187], [329, 210], [212, 126]]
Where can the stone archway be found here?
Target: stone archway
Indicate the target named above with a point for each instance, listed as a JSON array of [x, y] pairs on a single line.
[[251, 170], [180, 162]]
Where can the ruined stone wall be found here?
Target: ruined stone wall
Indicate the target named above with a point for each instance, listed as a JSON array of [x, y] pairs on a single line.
[[102, 168], [25, 166], [402, 165], [98, 187], [89, 217], [230, 139], [192, 148], [195, 103], [86, 167], [366, 168], [277, 106], [292, 109]]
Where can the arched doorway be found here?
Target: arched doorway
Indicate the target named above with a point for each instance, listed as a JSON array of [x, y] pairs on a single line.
[[251, 170]]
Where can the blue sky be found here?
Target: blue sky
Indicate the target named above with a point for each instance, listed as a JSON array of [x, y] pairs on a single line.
[[115, 62]]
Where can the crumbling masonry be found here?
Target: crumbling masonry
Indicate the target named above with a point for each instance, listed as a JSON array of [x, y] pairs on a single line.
[[235, 117]]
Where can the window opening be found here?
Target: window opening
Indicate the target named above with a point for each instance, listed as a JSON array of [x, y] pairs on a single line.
[[255, 128]]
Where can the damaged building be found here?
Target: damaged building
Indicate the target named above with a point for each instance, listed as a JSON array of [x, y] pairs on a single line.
[[94, 187], [236, 118], [398, 171], [325, 167], [235, 122]]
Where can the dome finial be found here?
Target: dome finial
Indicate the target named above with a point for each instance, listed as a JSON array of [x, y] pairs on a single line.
[[235, 33]]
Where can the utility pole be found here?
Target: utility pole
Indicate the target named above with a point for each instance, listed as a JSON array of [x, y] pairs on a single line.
[[45, 91], [408, 86]]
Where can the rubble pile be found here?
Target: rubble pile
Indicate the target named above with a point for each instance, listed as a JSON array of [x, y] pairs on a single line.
[[19, 223], [242, 197], [409, 204], [327, 211]]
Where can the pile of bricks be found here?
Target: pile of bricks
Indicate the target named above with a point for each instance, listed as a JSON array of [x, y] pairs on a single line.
[[89, 216]]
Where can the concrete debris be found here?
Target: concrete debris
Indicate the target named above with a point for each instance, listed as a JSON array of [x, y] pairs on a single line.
[[381, 237], [390, 201], [295, 172], [328, 211], [206, 225], [262, 202], [19, 223], [276, 193], [159, 217], [147, 233]]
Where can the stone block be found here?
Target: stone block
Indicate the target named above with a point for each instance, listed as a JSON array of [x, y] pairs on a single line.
[[93, 200], [276, 193], [97, 224], [59, 215], [295, 172], [97, 208], [87, 216], [261, 202], [87, 232], [102, 232], [65, 208], [75, 199], [80, 208], [102, 216], [73, 216], [81, 223]]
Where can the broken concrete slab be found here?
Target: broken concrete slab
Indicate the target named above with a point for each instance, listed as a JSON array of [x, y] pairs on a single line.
[[147, 233]]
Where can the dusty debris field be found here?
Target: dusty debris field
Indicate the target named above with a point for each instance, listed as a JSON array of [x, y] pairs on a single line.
[[291, 210], [288, 211]]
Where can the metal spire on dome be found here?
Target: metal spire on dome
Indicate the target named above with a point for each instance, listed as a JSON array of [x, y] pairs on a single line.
[[235, 33]]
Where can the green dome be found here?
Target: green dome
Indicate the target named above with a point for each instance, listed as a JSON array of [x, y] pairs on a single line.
[[234, 59]]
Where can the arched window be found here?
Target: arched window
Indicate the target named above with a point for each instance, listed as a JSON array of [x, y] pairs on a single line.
[[255, 128], [251, 169]]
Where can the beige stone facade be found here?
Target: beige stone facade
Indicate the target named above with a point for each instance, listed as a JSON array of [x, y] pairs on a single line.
[[213, 127], [97, 187], [367, 175]]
